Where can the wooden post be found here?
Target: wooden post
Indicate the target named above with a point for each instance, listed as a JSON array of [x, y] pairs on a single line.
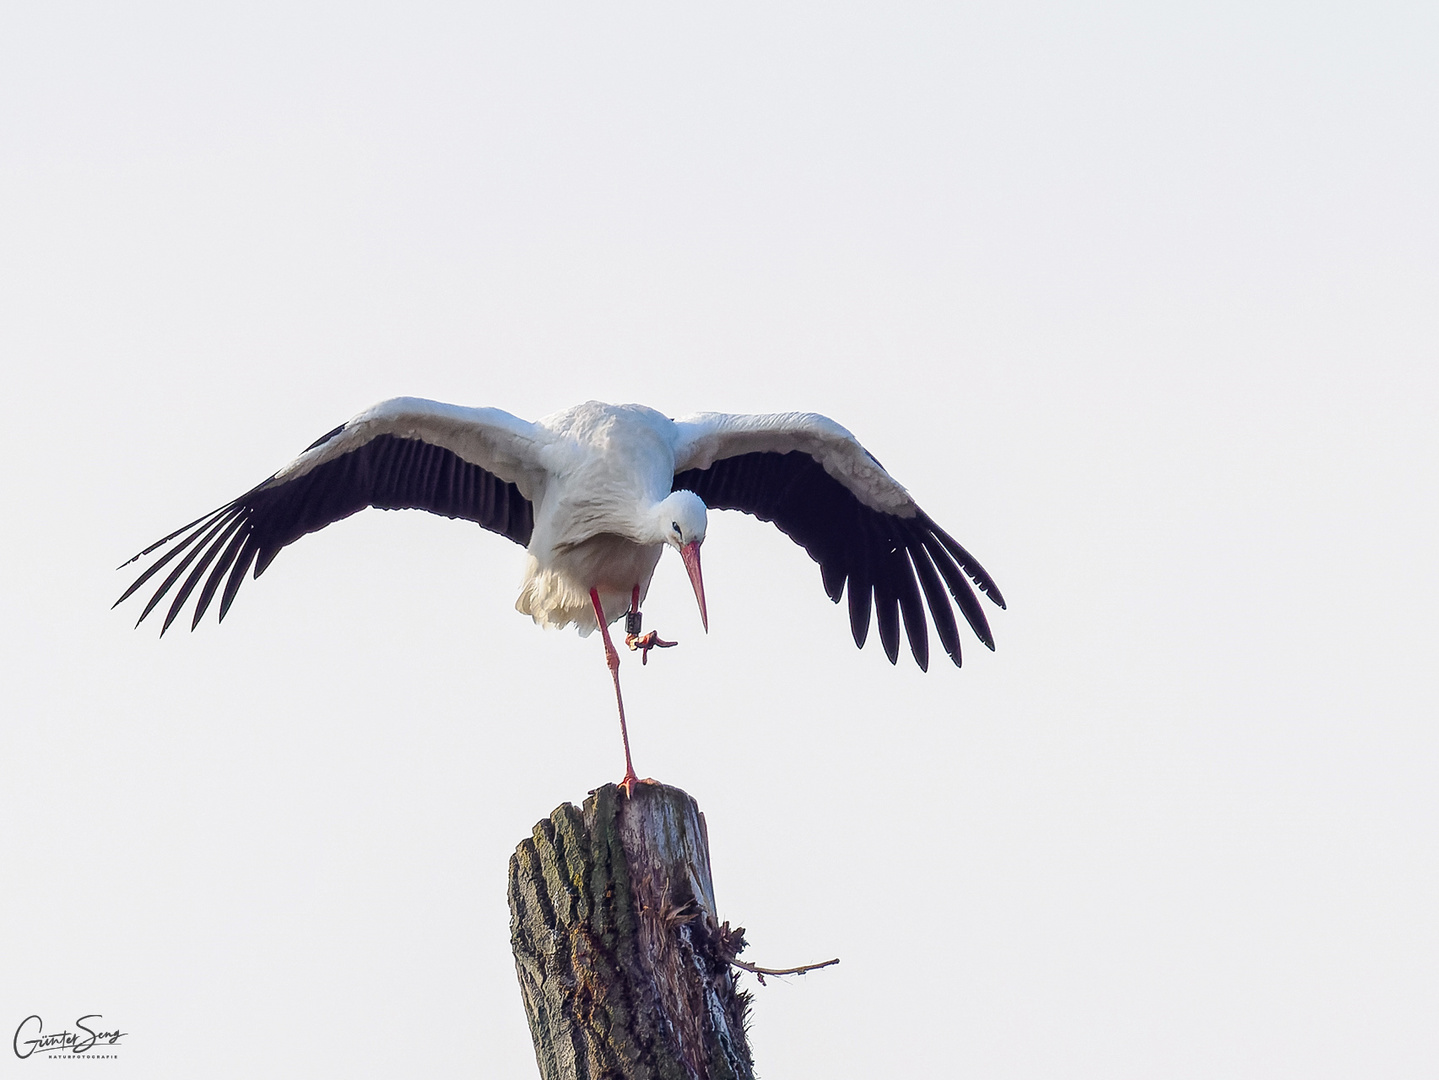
[[623, 964]]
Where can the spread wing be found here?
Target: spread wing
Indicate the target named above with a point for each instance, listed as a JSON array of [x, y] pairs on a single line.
[[407, 453], [823, 490]]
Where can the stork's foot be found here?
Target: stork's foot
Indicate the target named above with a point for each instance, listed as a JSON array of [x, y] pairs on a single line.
[[627, 785], [643, 643]]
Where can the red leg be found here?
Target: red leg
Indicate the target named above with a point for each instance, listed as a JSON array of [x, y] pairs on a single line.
[[612, 658]]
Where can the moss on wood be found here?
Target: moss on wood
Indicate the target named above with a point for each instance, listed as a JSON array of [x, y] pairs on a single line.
[[623, 965]]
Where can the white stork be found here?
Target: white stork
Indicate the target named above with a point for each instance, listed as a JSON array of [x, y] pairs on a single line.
[[595, 493]]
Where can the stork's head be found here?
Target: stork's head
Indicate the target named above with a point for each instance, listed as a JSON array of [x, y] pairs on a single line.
[[682, 521]]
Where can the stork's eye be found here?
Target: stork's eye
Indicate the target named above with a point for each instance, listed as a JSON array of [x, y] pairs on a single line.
[[678, 532]]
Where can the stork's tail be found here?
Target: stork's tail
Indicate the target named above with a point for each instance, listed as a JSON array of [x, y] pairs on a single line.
[[545, 598]]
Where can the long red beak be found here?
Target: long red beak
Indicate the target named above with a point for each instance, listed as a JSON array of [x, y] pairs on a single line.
[[690, 553]]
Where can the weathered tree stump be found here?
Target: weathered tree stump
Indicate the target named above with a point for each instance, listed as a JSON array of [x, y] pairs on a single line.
[[623, 964]]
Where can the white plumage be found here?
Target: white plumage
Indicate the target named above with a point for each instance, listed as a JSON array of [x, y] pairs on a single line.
[[603, 518]]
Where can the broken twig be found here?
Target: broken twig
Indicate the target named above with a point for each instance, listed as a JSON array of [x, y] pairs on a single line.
[[760, 972]]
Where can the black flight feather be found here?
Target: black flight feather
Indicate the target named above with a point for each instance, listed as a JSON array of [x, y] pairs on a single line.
[[388, 471], [891, 566]]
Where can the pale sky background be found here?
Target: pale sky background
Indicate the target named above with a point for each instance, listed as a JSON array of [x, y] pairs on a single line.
[[1139, 301]]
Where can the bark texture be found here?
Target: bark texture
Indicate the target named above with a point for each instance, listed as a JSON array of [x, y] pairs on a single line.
[[623, 964]]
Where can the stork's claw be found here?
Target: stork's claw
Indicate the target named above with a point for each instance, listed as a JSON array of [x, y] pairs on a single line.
[[643, 643], [627, 785]]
